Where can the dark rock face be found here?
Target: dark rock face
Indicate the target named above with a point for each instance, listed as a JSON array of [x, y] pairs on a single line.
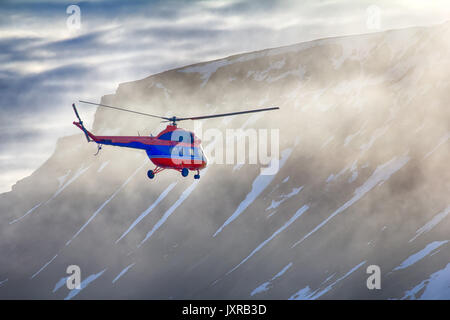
[[364, 129]]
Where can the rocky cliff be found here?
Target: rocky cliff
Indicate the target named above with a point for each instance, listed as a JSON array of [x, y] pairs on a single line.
[[364, 180]]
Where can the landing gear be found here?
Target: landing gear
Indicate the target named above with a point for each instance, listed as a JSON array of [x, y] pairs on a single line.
[[151, 173], [99, 147], [184, 172]]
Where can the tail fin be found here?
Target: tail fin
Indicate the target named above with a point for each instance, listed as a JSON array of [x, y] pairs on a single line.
[[81, 126]]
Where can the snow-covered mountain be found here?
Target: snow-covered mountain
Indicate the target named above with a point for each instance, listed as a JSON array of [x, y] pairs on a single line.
[[365, 180]]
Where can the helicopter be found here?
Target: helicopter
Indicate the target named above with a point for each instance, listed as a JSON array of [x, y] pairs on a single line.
[[173, 148]]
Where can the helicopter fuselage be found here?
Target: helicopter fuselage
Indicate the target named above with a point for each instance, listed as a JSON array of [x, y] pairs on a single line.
[[173, 148]]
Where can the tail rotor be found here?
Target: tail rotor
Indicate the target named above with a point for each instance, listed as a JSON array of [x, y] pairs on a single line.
[[81, 122]]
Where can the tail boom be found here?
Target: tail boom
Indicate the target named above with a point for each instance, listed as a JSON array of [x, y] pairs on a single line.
[[89, 136]]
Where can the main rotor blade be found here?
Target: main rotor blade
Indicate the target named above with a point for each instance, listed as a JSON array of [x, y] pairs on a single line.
[[122, 109], [228, 114]]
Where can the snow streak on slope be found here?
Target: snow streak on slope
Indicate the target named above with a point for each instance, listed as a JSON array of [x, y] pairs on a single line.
[[166, 215], [75, 177], [28, 212], [59, 284], [432, 223], [259, 185], [83, 285], [105, 203], [441, 142], [421, 254], [60, 189], [149, 209], [380, 175], [104, 164], [123, 272], [436, 286], [305, 293], [206, 70], [63, 178], [284, 197], [45, 266], [3, 282], [351, 167], [266, 285], [302, 294], [376, 134], [328, 288], [287, 224]]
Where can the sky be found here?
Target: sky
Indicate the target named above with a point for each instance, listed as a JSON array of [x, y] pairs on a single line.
[[47, 62]]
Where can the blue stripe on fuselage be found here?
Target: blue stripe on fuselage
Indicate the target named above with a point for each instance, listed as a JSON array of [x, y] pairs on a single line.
[[160, 151], [134, 144]]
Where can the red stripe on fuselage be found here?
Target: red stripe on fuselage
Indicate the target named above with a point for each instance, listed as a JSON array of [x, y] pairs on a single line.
[[178, 163], [141, 139], [144, 140]]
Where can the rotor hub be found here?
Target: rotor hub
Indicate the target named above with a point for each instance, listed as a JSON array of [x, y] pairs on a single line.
[[173, 120]]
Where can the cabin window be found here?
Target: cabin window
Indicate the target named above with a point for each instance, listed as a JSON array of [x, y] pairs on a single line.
[[183, 136]]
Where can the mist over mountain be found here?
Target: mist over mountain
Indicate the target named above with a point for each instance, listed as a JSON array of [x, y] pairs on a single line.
[[363, 180]]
